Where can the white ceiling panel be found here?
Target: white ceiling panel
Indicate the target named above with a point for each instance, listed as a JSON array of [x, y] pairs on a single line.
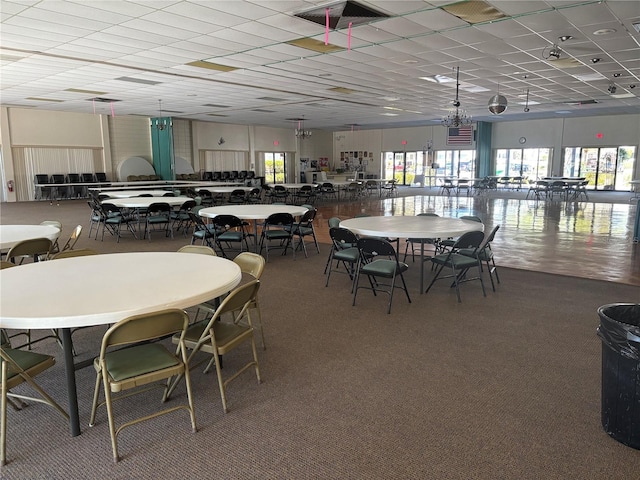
[[90, 45]]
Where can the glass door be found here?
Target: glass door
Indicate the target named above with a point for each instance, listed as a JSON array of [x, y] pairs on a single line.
[[400, 166], [606, 168], [274, 167]]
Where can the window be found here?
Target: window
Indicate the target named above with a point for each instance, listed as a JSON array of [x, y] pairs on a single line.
[[606, 168], [522, 162], [456, 163]]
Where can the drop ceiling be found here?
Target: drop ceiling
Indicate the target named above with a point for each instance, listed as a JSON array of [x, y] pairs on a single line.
[[256, 62]]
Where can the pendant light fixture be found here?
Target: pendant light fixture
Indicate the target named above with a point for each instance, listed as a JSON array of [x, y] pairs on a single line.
[[457, 117]]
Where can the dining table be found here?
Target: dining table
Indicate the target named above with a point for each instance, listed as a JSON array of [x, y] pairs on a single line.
[[145, 202], [137, 193], [414, 227], [13, 234], [253, 212], [59, 294]]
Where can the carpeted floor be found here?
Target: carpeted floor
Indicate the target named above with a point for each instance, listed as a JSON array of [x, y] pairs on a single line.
[[502, 387]]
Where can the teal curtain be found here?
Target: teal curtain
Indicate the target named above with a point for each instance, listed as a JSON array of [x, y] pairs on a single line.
[[483, 148], [162, 147]]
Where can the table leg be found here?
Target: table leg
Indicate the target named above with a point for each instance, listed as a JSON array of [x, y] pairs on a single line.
[[72, 393], [422, 267]]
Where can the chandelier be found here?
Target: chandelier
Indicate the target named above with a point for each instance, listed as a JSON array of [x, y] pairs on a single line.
[[457, 117], [301, 133]]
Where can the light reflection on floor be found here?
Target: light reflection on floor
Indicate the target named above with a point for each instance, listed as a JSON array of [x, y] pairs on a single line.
[[591, 240]]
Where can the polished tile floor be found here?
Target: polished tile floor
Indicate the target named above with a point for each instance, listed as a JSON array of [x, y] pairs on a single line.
[[582, 239]]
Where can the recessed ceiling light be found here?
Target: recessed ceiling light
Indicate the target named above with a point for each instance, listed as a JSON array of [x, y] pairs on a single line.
[[389, 114], [410, 61], [605, 31]]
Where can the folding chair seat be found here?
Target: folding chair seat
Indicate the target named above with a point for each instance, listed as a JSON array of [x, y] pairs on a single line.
[[304, 228], [460, 264], [142, 362], [158, 213], [344, 250], [114, 218], [222, 332], [18, 367], [181, 218], [202, 231], [229, 229], [485, 254], [278, 228], [378, 259]]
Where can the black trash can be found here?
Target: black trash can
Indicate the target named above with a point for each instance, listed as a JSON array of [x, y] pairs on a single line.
[[619, 331]]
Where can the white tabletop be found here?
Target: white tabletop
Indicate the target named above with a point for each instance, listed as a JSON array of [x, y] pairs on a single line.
[[291, 186], [224, 189], [411, 226], [137, 193], [252, 212], [141, 202], [12, 234], [130, 284]]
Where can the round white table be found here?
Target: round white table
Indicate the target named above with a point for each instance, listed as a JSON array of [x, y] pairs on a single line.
[[130, 284], [252, 212], [224, 190], [411, 227], [137, 193], [144, 202], [12, 234]]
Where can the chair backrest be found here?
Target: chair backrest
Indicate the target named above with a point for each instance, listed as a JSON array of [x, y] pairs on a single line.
[[81, 252], [309, 216], [238, 301], [144, 327], [427, 214], [281, 219], [199, 249], [73, 238], [159, 208], [57, 178], [469, 240], [101, 176], [187, 205], [375, 247], [334, 222], [227, 221], [87, 177], [73, 178], [342, 237], [492, 235], [32, 247], [250, 263], [471, 217], [42, 178]]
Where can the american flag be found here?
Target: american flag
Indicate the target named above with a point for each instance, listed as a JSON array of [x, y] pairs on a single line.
[[459, 135]]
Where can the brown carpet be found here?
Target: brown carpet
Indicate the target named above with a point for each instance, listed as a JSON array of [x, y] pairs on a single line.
[[502, 387]]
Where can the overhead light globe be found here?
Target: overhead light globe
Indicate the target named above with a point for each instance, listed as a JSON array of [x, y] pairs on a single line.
[[497, 104]]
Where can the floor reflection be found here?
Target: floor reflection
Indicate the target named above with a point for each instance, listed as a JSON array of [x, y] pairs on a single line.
[[590, 240]]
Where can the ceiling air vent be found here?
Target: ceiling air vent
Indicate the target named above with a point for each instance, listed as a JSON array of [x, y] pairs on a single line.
[[342, 14]]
